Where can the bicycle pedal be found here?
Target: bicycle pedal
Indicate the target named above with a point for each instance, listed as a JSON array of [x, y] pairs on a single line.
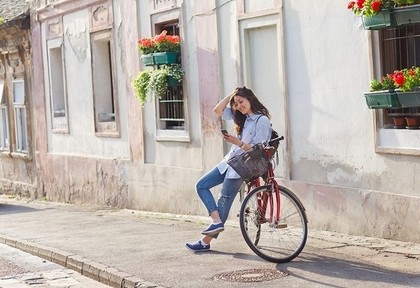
[[280, 226]]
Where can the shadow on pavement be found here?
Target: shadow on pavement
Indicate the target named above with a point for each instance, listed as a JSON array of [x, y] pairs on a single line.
[[12, 209], [333, 268]]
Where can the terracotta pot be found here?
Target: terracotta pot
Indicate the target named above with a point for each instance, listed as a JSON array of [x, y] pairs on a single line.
[[399, 122], [413, 122]]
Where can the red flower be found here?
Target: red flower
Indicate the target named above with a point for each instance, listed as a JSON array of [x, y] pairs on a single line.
[[398, 78], [146, 42], [376, 6], [360, 3], [351, 5], [161, 37]]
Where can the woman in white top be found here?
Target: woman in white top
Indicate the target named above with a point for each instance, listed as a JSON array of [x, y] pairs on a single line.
[[252, 125]]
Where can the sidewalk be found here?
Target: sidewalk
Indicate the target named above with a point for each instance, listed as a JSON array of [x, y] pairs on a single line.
[[128, 248]]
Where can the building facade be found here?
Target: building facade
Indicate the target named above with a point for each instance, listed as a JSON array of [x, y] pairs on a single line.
[[17, 171], [92, 141]]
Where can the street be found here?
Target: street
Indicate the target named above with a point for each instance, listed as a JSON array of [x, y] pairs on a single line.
[[20, 269], [147, 249]]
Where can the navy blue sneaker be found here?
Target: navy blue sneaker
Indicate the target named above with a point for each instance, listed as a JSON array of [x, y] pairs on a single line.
[[198, 246], [213, 229]]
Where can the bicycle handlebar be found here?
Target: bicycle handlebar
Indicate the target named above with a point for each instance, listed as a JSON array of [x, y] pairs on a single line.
[[275, 140]]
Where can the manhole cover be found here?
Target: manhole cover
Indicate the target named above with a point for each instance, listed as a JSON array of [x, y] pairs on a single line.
[[251, 275]]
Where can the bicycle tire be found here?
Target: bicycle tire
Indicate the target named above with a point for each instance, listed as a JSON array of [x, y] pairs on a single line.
[[275, 241]]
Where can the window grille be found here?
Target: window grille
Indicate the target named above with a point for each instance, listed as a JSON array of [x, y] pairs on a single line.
[[400, 49], [171, 107]]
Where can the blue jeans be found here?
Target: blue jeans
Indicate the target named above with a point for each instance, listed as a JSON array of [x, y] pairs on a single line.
[[228, 193]]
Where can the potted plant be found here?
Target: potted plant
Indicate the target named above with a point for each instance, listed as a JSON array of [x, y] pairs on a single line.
[[397, 90], [407, 12], [376, 14], [160, 49], [380, 14], [156, 81], [382, 94], [412, 122]]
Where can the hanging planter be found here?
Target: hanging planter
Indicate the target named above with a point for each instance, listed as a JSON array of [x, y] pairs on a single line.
[[155, 82], [162, 58], [382, 20], [397, 90], [171, 81], [409, 99], [147, 59], [382, 99], [407, 15]]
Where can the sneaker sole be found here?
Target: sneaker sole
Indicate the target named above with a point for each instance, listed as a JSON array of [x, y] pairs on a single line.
[[204, 250], [213, 232]]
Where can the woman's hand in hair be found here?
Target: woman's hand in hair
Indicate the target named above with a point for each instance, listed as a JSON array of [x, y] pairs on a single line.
[[218, 109]]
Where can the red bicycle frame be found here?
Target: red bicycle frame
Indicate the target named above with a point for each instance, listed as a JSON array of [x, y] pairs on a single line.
[[263, 199]]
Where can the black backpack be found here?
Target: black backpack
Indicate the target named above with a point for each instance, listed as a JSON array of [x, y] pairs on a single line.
[[274, 135]]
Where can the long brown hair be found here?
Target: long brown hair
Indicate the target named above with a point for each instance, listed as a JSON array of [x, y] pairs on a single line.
[[256, 107]]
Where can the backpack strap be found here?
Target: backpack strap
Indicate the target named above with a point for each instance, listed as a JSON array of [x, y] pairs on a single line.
[[276, 152]]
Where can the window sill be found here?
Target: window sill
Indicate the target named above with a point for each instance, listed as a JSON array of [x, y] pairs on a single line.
[[17, 155], [173, 135], [389, 141]]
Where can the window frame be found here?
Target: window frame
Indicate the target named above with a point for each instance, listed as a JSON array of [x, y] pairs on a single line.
[[158, 21], [59, 123], [4, 120], [20, 118], [104, 128], [388, 140]]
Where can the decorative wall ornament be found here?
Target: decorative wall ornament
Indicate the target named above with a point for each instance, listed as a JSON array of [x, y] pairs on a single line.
[[101, 16], [55, 28], [164, 3], [77, 36]]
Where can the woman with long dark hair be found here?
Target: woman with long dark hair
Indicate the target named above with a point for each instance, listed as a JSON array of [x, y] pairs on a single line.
[[252, 126]]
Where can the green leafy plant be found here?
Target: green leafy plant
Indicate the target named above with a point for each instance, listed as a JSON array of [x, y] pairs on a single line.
[[140, 85], [406, 2], [2, 20], [155, 82], [405, 80]]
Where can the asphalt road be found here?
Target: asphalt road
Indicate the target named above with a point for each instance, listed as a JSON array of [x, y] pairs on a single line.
[[150, 247]]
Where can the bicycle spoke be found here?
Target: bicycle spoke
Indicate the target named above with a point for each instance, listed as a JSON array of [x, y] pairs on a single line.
[[276, 240]]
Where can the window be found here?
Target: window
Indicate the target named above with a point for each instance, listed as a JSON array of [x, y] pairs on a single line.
[[20, 116], [104, 80], [400, 49], [171, 107], [57, 86], [4, 123]]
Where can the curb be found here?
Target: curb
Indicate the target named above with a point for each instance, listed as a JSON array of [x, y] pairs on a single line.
[[88, 268]]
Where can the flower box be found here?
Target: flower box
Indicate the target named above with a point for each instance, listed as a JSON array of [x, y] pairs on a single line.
[[409, 99], [407, 15], [147, 59], [385, 19], [171, 81], [382, 99], [162, 58]]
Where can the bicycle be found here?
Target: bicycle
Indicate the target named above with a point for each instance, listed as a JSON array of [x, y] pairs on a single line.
[[272, 219]]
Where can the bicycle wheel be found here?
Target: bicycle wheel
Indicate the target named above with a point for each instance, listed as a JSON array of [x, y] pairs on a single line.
[[275, 240]]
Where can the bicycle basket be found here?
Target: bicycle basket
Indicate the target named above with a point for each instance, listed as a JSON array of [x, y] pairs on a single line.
[[251, 164]]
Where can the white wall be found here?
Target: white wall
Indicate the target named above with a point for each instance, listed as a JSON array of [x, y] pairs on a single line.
[[81, 139]]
